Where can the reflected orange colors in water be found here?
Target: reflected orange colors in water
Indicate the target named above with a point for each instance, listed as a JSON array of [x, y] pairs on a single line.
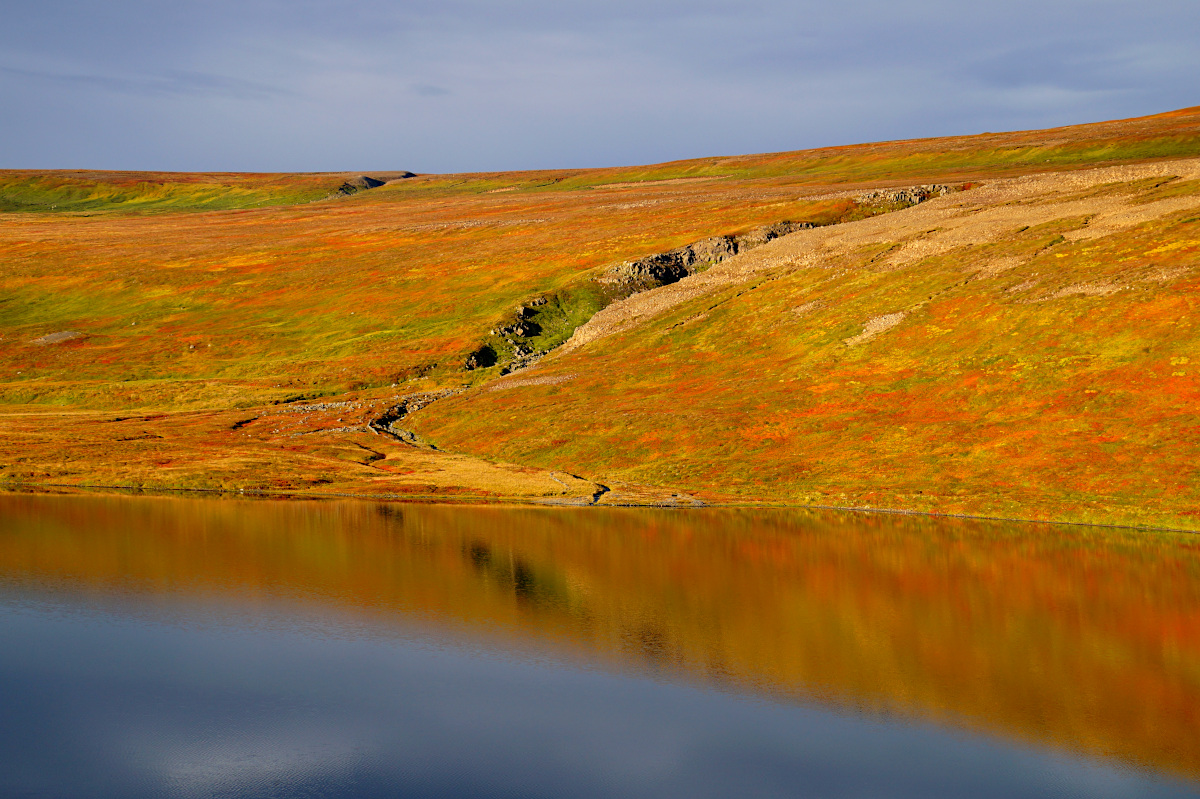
[[1071, 637]]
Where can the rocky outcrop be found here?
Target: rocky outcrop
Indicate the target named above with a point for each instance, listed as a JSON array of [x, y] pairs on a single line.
[[664, 268], [913, 195], [512, 337], [57, 338], [481, 358], [360, 183], [517, 332], [519, 341], [363, 182]]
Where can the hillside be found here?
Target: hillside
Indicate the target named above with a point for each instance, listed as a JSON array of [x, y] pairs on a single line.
[[1025, 347], [1016, 338]]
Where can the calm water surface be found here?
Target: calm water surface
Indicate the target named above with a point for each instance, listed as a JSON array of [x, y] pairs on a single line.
[[167, 647]]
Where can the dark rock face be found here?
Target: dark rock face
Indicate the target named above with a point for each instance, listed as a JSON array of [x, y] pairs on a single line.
[[658, 269], [664, 268], [526, 311], [514, 344], [481, 358], [762, 235], [715, 250], [913, 195], [527, 329], [363, 183], [522, 328]]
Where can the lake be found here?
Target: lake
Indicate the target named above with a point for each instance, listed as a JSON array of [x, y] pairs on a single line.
[[155, 646]]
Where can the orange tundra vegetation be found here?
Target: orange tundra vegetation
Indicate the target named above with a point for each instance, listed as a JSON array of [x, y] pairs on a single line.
[[1020, 342]]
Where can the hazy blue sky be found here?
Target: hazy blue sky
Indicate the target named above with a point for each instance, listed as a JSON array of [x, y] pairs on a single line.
[[457, 85]]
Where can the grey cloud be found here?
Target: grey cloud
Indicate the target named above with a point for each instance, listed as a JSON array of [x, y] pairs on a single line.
[[567, 84], [171, 82], [429, 90]]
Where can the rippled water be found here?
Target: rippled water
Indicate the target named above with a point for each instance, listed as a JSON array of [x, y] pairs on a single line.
[[219, 647]]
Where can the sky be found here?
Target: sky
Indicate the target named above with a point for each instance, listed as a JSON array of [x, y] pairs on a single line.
[[470, 85]]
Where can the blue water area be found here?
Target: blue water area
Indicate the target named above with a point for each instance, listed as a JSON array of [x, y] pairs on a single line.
[[168, 647], [141, 695]]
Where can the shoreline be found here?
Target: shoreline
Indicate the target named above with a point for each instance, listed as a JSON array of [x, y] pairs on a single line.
[[435, 499]]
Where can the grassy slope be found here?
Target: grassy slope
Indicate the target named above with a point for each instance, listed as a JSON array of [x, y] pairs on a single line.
[[400, 280], [319, 298], [215, 310], [1032, 376]]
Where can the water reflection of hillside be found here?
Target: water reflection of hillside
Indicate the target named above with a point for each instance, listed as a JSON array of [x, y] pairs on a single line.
[[1067, 636]]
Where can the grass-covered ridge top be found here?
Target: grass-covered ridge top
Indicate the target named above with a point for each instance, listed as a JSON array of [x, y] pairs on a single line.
[[91, 191], [1170, 135], [1174, 134]]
